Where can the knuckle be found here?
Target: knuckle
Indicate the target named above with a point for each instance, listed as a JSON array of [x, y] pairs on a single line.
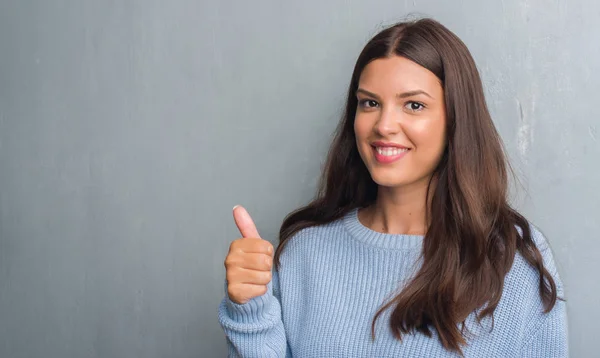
[[257, 277], [230, 261], [267, 246], [260, 261], [269, 262], [265, 277]]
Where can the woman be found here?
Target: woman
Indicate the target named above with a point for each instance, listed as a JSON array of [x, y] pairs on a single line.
[[410, 248]]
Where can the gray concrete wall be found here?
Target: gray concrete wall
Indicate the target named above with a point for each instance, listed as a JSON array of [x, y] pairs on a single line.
[[129, 129]]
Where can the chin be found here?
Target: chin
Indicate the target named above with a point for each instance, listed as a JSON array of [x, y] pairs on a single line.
[[396, 178], [388, 181]]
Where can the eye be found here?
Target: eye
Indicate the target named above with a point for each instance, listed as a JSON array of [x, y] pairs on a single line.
[[414, 106], [368, 103]]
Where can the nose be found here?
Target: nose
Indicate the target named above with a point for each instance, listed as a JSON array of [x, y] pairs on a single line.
[[388, 123]]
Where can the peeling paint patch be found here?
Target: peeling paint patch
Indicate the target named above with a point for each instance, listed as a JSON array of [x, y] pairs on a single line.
[[593, 133], [523, 139], [523, 132]]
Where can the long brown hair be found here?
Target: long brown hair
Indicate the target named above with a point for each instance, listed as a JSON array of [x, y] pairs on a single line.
[[471, 244]]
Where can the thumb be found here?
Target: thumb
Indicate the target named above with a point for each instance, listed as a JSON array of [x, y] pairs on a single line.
[[244, 222]]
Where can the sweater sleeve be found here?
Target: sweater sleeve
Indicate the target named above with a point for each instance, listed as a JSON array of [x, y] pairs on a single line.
[[254, 329], [548, 336], [549, 339]]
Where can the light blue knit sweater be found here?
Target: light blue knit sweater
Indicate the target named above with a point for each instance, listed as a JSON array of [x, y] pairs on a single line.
[[334, 277]]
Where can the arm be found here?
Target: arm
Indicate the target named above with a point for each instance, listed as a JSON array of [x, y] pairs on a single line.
[[254, 329], [549, 337]]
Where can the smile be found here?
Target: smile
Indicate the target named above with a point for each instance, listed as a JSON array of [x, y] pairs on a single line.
[[389, 154]]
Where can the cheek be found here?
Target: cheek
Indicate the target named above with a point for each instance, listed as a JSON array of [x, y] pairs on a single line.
[[428, 136], [358, 126], [361, 129]]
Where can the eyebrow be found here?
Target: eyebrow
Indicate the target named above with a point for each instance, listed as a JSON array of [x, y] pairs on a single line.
[[399, 95]]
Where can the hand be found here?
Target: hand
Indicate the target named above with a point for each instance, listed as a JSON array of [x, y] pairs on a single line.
[[249, 261]]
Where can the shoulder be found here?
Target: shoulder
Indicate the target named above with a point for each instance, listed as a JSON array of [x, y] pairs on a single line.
[[542, 331], [522, 284], [525, 272], [317, 235], [521, 313]]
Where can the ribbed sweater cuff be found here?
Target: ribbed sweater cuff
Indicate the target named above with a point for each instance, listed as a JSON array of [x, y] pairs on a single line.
[[256, 311]]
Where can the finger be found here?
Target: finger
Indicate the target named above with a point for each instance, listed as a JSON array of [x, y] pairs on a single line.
[[252, 245], [252, 261], [248, 291], [244, 222], [254, 277]]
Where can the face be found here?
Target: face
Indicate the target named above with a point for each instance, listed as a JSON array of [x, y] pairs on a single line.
[[400, 122]]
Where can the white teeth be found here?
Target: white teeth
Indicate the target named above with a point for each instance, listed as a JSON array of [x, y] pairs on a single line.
[[389, 151]]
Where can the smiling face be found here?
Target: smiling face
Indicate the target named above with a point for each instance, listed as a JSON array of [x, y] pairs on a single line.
[[400, 122]]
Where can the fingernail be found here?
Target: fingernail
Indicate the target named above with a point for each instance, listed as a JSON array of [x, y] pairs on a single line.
[[235, 207]]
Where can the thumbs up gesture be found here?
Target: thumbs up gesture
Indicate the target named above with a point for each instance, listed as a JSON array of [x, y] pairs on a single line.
[[249, 261]]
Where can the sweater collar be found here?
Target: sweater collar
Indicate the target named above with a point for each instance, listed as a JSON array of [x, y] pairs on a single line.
[[378, 239]]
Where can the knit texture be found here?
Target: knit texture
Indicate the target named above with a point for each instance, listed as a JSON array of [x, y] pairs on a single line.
[[334, 277]]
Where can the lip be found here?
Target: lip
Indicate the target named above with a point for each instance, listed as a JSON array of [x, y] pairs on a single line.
[[388, 144], [386, 159]]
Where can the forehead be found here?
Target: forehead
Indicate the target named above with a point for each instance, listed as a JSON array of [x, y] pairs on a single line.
[[397, 73]]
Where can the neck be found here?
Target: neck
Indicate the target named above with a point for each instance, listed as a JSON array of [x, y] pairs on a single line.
[[399, 210]]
